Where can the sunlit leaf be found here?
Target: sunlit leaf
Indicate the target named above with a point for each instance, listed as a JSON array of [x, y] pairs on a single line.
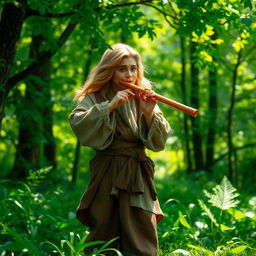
[[183, 220], [205, 56], [171, 200], [207, 211], [165, 234], [183, 252], [236, 213], [201, 249], [239, 249], [224, 227], [238, 45], [224, 195], [218, 41]]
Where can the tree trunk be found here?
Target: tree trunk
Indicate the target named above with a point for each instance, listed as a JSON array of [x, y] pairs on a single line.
[[212, 113], [184, 98], [196, 134], [9, 83], [49, 148], [49, 145], [231, 170], [212, 117], [10, 29], [36, 146]]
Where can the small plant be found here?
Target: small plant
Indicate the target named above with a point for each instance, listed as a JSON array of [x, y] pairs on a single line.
[[218, 233], [223, 198], [77, 248], [34, 220]]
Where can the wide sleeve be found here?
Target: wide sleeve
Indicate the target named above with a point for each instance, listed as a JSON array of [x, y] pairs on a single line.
[[155, 137], [92, 123]]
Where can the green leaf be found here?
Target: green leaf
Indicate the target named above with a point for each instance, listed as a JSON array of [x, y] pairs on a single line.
[[207, 211], [223, 196], [183, 252], [239, 249], [246, 21], [236, 213], [72, 248], [22, 242], [248, 3], [108, 243], [165, 234], [12, 246], [55, 246], [171, 200], [224, 227], [118, 253], [183, 220], [201, 249]]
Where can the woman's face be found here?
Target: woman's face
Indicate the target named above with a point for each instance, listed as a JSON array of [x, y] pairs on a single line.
[[125, 72]]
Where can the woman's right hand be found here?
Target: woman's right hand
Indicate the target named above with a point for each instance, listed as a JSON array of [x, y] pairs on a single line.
[[120, 98]]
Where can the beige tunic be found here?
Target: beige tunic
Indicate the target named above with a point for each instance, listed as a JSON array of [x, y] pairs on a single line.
[[124, 134]]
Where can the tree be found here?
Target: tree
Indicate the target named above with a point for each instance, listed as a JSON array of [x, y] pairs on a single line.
[[86, 13], [90, 16], [12, 18]]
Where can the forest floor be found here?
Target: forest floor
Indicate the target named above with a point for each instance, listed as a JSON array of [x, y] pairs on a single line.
[[202, 217]]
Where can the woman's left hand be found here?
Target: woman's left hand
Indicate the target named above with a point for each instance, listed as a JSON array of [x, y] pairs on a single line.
[[147, 101]]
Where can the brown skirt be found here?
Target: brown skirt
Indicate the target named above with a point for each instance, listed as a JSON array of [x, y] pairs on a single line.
[[112, 217]]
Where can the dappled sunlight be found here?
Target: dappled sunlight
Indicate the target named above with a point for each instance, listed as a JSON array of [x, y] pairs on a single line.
[[167, 162]]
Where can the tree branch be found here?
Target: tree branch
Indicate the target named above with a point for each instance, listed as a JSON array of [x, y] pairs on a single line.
[[132, 3], [170, 3], [235, 149], [12, 81], [31, 12], [161, 11], [169, 22]]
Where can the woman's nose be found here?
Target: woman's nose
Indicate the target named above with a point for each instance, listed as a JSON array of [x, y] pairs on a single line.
[[128, 73]]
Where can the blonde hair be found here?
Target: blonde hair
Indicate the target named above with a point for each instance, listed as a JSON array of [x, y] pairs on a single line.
[[101, 75]]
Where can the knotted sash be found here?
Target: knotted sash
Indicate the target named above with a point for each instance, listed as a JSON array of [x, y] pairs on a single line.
[[135, 164]]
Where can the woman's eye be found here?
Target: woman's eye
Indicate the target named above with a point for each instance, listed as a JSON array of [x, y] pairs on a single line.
[[134, 70]]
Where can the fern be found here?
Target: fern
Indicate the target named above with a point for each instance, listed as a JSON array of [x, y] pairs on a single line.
[[207, 211], [224, 195]]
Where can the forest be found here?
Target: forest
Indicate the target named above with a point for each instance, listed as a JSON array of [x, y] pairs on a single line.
[[198, 52]]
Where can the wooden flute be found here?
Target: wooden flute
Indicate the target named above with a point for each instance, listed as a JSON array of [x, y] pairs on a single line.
[[186, 109]]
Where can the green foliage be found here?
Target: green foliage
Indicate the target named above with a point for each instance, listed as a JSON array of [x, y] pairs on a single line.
[[204, 230], [34, 219], [223, 196], [37, 218]]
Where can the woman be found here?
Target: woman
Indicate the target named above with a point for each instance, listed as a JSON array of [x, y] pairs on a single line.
[[118, 123]]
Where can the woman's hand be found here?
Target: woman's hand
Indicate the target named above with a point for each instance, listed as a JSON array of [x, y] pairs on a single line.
[[147, 102], [120, 98]]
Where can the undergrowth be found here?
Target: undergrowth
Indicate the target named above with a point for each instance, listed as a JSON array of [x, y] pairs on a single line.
[[201, 218]]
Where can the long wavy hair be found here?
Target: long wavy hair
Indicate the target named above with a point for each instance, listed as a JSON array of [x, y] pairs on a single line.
[[101, 76]]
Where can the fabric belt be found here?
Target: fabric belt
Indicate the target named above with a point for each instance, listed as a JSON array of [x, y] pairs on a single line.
[[135, 165]]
